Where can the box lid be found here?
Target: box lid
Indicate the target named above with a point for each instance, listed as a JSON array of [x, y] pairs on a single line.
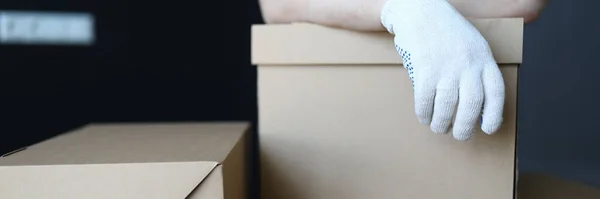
[[287, 44], [118, 161]]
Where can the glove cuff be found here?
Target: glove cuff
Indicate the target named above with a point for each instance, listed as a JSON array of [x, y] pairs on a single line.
[[409, 12], [387, 14]]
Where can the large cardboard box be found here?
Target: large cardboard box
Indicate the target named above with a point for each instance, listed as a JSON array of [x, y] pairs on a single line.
[[336, 119], [126, 161]]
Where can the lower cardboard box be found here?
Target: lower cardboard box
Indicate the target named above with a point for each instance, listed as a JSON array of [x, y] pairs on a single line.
[[127, 161]]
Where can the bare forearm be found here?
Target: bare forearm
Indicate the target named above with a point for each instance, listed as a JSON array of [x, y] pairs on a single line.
[[349, 14], [364, 15]]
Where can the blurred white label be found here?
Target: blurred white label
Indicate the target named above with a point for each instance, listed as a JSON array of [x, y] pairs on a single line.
[[55, 28]]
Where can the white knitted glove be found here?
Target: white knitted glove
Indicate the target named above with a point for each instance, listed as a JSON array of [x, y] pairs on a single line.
[[450, 64]]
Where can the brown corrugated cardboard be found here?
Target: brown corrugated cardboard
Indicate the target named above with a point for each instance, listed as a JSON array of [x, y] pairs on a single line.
[[539, 186], [337, 120], [125, 161]]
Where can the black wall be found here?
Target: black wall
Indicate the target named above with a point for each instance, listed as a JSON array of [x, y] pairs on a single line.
[[41, 87], [558, 93], [152, 62]]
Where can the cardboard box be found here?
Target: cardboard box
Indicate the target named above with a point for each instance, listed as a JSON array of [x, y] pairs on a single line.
[[336, 119], [540, 186], [126, 161]]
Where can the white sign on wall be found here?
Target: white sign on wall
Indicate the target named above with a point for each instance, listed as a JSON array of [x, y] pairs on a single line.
[[54, 28]]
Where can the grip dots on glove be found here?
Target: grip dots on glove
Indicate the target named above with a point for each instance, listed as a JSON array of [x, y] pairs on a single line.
[[407, 63]]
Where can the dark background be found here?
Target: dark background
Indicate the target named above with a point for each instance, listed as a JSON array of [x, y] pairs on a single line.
[[151, 62], [189, 61], [559, 84]]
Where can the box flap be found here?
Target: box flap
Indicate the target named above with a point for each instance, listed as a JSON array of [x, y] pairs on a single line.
[[307, 44], [133, 143], [211, 187], [175, 180]]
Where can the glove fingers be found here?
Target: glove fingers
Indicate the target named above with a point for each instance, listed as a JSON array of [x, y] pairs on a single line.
[[469, 105], [424, 99], [493, 86], [446, 100]]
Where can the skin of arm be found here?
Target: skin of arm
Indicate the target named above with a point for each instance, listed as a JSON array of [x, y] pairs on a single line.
[[364, 15]]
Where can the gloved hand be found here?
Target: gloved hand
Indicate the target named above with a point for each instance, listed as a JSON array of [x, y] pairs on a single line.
[[450, 64]]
